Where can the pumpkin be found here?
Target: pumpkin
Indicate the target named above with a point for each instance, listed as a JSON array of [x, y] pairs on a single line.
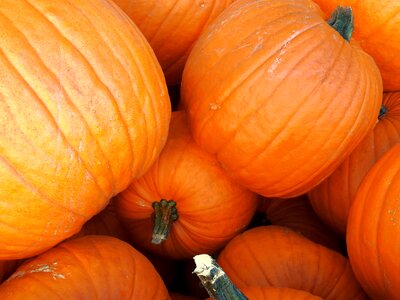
[[90, 267], [172, 27], [84, 109], [376, 28], [219, 286], [373, 229], [184, 204], [333, 197], [105, 223], [289, 98], [298, 215], [277, 256]]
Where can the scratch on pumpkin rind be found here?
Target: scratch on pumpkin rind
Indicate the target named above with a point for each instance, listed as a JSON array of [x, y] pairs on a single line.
[[40, 268]]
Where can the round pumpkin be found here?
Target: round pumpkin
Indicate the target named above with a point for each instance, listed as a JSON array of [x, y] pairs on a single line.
[[278, 95], [90, 267], [105, 223], [172, 27], [376, 28], [277, 256], [332, 198], [84, 109], [185, 204], [298, 215], [373, 229]]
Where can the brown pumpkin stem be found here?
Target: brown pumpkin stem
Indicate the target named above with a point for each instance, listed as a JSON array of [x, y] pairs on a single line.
[[382, 111], [165, 213], [342, 21], [215, 281]]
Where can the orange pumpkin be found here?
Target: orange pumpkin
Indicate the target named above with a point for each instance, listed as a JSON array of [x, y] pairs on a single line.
[[333, 197], [376, 28], [277, 256], [84, 109], [278, 95], [90, 267], [105, 223], [373, 230], [298, 215], [172, 27], [185, 204]]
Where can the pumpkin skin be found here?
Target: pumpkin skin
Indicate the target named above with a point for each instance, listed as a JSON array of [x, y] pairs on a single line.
[[289, 98], [332, 198], [298, 215], [373, 232], [276, 256], [376, 28], [84, 109], [212, 208], [275, 293], [172, 27], [90, 267]]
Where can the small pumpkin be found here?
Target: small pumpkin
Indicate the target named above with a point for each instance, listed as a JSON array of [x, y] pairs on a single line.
[[84, 109], [278, 95], [172, 27], [332, 199], [376, 28], [277, 256], [105, 223], [298, 215], [185, 204], [373, 230], [90, 267]]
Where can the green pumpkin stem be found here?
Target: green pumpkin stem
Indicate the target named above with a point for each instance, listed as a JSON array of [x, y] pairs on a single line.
[[214, 279], [382, 111], [342, 21], [165, 213]]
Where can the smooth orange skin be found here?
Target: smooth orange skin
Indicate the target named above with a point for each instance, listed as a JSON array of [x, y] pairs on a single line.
[[332, 198], [84, 109], [376, 28], [91, 267], [298, 215], [373, 230], [278, 95], [172, 27], [275, 293], [212, 208], [277, 256]]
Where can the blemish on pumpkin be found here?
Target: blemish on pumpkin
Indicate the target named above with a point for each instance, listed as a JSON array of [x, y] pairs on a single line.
[[202, 5], [40, 268], [214, 106]]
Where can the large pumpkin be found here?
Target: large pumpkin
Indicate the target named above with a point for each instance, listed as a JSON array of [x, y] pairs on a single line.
[[84, 109], [373, 230], [279, 257], [185, 204], [172, 27], [278, 95], [377, 30], [333, 197], [90, 267]]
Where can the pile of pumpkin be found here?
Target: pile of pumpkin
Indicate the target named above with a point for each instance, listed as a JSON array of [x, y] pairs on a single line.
[[280, 159]]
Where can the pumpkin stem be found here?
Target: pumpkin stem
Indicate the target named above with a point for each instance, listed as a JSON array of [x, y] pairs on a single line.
[[165, 213], [342, 21], [214, 279], [382, 111]]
